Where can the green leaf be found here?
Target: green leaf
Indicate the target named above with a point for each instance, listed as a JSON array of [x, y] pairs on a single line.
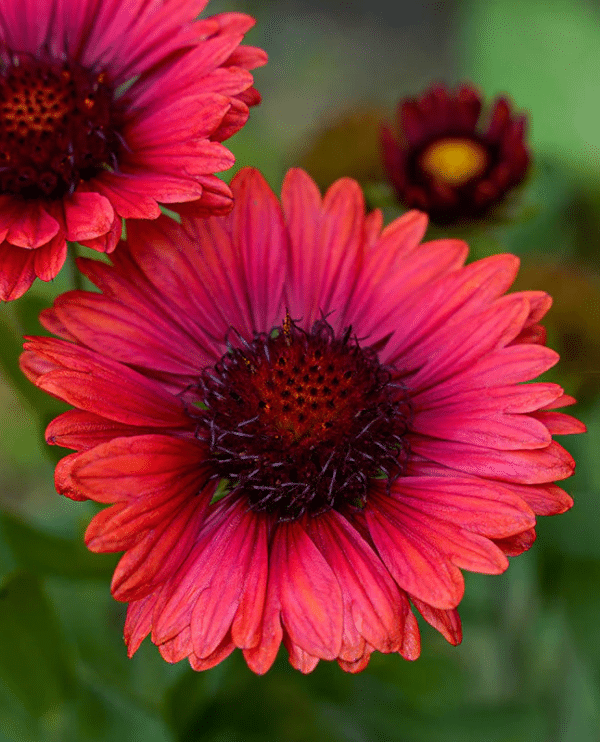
[[45, 554], [33, 661]]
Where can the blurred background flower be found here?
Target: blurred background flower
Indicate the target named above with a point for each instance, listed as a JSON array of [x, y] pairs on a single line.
[[443, 159], [529, 666]]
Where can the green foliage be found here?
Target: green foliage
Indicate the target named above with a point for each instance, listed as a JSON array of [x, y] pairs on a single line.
[[44, 554], [33, 662]]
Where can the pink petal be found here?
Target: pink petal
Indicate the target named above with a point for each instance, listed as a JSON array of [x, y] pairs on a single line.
[[138, 623], [509, 398], [371, 600], [159, 551], [414, 562], [543, 499], [259, 237], [181, 119], [517, 544], [96, 384], [506, 365], [127, 336], [245, 556], [177, 648], [326, 246], [82, 430], [87, 216], [32, 227], [457, 346], [481, 506], [207, 590], [261, 656], [50, 258], [526, 467], [127, 197], [310, 596], [435, 296], [500, 431], [150, 466], [558, 423], [17, 271], [446, 622]]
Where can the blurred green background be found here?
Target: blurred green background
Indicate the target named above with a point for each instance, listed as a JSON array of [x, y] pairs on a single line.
[[529, 666]]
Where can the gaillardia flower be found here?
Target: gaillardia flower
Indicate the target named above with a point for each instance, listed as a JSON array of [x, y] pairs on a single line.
[[445, 162], [106, 110], [305, 426]]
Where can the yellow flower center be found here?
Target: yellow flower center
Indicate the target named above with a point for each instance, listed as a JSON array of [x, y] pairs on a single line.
[[454, 161]]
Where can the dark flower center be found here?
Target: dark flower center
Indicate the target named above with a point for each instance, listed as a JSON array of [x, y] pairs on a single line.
[[300, 421], [57, 127], [454, 160]]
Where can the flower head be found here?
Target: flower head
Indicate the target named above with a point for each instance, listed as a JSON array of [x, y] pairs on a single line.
[[305, 426], [107, 110], [445, 163]]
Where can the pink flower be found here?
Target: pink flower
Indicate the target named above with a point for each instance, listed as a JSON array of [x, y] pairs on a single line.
[[305, 426], [109, 109]]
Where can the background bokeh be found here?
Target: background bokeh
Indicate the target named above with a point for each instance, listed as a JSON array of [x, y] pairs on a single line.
[[529, 665]]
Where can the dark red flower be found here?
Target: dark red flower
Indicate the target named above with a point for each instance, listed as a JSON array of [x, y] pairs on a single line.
[[445, 162], [303, 425], [109, 109]]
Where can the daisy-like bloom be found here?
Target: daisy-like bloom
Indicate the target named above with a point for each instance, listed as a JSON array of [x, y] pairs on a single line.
[[444, 162], [108, 108], [305, 426]]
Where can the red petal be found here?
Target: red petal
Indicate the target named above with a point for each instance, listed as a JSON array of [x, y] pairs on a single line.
[[526, 467], [32, 227], [87, 216], [108, 241], [481, 506], [415, 562], [446, 622], [206, 663], [82, 430], [161, 551], [299, 659], [125, 469], [97, 384], [517, 544], [244, 554], [138, 623], [372, 603], [558, 423], [310, 596], [17, 271]]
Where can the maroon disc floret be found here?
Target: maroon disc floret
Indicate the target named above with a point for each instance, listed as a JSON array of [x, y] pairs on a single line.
[[301, 421], [58, 126]]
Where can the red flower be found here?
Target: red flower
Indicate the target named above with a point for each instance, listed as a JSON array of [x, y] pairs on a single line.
[[109, 109], [444, 163], [303, 425]]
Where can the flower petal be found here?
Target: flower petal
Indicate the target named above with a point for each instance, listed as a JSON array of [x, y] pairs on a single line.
[[309, 593]]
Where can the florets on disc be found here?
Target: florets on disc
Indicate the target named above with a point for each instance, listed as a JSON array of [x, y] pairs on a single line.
[[300, 421], [57, 126]]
